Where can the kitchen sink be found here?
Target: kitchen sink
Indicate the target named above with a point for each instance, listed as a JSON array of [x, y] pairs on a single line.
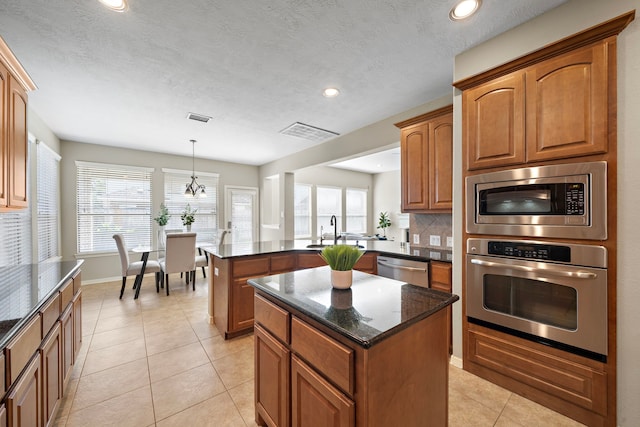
[[320, 246]]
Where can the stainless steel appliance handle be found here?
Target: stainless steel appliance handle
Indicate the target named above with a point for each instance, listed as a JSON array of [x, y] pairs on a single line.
[[573, 274], [401, 267]]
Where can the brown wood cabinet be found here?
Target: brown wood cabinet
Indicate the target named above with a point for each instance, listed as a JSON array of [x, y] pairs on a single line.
[[426, 153], [24, 401], [14, 83], [51, 358], [368, 263], [554, 109], [441, 280], [309, 375]]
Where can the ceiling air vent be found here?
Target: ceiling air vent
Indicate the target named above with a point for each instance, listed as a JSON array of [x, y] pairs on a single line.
[[310, 133], [198, 117]]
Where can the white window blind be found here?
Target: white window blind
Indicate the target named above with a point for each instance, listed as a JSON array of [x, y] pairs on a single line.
[[48, 178], [356, 210], [206, 219], [329, 202], [302, 210], [112, 199]]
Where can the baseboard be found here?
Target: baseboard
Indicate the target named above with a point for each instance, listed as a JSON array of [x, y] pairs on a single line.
[[456, 361]]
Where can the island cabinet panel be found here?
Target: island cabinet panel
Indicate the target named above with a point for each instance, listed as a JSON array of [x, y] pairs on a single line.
[[571, 384], [310, 260], [367, 263], [271, 380], [273, 318], [241, 313], [554, 109], [51, 358], [24, 401], [315, 402], [21, 349], [282, 263]]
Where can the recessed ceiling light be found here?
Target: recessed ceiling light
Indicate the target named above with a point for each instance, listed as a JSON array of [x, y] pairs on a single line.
[[464, 9], [116, 5], [330, 92]]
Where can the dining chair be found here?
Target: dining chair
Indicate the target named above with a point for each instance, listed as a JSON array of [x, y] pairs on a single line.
[[180, 256], [201, 261], [133, 268]]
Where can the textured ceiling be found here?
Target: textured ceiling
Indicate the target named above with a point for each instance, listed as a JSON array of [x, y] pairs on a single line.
[[129, 79]]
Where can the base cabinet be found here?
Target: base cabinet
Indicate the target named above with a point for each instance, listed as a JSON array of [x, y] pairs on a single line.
[[441, 280], [51, 358], [272, 380], [25, 399]]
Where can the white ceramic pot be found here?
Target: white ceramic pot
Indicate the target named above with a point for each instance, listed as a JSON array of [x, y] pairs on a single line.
[[341, 279]]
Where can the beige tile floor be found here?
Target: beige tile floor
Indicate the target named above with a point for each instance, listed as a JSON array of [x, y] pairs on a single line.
[[156, 361]]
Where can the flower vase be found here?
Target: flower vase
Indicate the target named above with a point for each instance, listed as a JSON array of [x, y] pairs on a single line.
[[341, 279], [188, 228], [162, 238]]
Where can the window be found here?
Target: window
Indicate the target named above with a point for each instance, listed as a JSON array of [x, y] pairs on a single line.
[[302, 210], [356, 210], [206, 223], [47, 187], [112, 199], [329, 202]]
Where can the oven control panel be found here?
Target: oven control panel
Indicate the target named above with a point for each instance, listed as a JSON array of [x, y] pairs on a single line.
[[530, 251]]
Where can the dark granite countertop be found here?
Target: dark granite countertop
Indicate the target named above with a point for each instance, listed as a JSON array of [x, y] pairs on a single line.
[[372, 310], [25, 288], [384, 247]]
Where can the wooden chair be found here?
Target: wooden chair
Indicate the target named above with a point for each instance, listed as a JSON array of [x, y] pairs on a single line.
[[180, 256], [133, 268]]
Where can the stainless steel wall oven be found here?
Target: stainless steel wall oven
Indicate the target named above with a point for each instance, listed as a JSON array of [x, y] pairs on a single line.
[[565, 201], [550, 292]]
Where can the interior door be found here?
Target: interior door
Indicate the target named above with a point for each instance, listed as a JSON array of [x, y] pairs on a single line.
[[241, 214]]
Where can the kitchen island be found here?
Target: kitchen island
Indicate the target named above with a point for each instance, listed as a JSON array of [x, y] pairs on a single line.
[[373, 355], [231, 265]]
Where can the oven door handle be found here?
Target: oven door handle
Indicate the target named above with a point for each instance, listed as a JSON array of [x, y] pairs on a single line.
[[402, 267], [572, 274]]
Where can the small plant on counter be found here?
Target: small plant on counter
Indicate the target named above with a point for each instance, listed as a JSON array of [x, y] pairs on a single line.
[[163, 216], [341, 257], [188, 215], [384, 222]]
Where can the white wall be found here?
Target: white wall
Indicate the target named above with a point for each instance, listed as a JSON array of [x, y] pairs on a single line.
[[97, 268], [570, 18], [386, 198]]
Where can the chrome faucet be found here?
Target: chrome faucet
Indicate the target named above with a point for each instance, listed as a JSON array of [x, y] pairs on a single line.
[[334, 222], [321, 234]]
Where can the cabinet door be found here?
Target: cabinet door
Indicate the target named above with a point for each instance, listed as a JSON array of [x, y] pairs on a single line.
[[17, 141], [77, 325], [414, 159], [51, 358], [315, 402], [441, 280], [4, 148], [241, 306], [441, 163], [66, 321], [494, 122], [567, 101], [271, 380], [24, 401], [310, 260], [3, 415]]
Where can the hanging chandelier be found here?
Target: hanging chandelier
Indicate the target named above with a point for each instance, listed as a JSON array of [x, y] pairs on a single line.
[[193, 188]]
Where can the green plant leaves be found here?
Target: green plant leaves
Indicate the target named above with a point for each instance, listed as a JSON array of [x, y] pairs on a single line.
[[341, 257]]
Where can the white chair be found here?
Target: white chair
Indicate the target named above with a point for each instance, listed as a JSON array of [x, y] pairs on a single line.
[[180, 256], [201, 262], [134, 268]]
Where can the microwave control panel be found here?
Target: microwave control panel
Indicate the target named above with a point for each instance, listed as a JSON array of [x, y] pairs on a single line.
[[574, 199], [530, 251]]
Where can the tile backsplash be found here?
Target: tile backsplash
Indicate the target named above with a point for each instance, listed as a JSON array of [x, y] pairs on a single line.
[[430, 228]]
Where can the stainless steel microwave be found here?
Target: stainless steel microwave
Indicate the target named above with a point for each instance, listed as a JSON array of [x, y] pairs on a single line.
[[565, 201]]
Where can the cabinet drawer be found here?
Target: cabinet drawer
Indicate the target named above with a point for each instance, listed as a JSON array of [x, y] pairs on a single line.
[[49, 314], [22, 348], [310, 260], [251, 267], [324, 353], [441, 275], [283, 263], [66, 295], [272, 317]]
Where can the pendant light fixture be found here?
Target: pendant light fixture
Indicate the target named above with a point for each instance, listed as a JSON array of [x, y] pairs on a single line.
[[193, 188]]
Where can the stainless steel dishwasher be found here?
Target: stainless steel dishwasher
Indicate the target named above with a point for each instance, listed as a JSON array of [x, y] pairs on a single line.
[[404, 270]]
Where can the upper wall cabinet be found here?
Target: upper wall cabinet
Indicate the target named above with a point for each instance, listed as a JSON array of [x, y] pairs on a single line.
[[426, 153], [553, 104], [14, 84]]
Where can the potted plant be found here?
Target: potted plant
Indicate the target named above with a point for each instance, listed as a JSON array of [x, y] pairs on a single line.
[[341, 259], [384, 222], [162, 219], [188, 216]]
